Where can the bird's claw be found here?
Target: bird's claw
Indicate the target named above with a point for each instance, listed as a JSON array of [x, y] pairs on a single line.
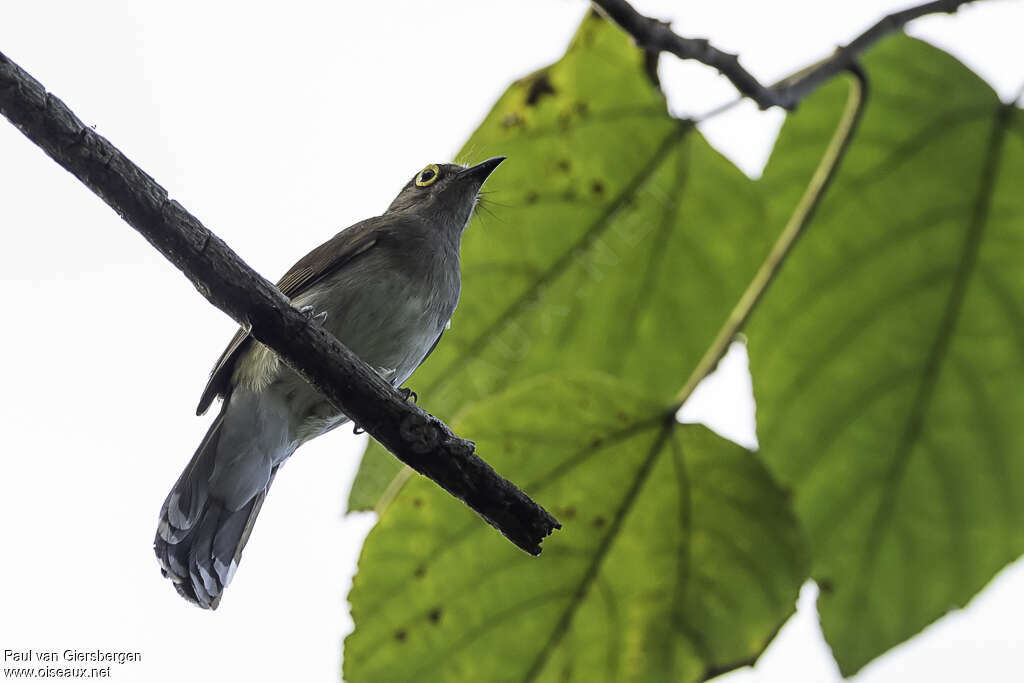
[[308, 312], [404, 392]]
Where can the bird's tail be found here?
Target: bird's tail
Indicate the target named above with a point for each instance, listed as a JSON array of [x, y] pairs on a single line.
[[199, 541]]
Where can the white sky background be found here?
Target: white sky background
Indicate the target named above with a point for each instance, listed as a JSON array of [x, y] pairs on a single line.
[[277, 127]]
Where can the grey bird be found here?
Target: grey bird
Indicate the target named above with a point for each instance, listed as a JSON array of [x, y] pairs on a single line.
[[386, 287]]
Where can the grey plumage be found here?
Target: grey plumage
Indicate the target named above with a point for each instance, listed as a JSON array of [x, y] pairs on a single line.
[[388, 286]]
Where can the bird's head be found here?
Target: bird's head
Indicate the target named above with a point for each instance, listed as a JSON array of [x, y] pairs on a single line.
[[444, 193]]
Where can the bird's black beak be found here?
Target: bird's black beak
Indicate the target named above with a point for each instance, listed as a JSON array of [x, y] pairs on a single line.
[[480, 172]]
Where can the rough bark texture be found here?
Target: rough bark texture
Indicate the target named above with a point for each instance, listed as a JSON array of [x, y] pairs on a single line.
[[416, 438], [656, 36]]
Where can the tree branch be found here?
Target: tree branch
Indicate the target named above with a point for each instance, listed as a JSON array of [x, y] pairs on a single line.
[[656, 36], [416, 438]]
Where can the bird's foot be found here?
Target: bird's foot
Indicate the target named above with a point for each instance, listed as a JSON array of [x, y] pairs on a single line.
[[308, 312], [404, 392]]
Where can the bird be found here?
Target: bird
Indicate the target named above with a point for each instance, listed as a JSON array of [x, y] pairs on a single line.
[[386, 287]]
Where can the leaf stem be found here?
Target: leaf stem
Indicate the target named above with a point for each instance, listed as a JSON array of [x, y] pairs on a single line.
[[798, 221]]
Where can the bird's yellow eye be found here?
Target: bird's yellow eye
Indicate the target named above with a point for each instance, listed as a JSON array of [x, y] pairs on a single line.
[[427, 176]]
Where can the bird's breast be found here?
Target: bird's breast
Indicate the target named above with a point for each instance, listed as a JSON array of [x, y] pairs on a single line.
[[388, 318]]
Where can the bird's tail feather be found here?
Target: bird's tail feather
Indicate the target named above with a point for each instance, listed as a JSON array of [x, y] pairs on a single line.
[[199, 541]]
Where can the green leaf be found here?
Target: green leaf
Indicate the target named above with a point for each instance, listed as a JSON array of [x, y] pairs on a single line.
[[680, 558], [888, 357], [619, 235]]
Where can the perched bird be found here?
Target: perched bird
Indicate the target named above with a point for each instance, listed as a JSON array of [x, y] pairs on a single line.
[[386, 287]]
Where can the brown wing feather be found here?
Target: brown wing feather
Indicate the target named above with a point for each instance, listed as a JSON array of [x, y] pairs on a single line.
[[310, 269]]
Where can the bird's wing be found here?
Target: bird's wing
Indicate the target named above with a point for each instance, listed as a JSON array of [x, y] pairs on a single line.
[[310, 269], [431, 349]]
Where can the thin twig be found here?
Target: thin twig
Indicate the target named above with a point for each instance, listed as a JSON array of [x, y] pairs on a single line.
[[416, 438], [802, 215], [656, 36]]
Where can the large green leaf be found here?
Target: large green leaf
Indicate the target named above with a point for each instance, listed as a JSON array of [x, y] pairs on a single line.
[[888, 358], [679, 558], [619, 237]]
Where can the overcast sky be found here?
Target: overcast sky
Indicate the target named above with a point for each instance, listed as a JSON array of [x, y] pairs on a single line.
[[277, 127]]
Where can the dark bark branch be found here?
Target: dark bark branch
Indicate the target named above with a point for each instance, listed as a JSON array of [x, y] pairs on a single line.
[[656, 36], [416, 438]]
